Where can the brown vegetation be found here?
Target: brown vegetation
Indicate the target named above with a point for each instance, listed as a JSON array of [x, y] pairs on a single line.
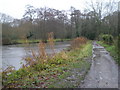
[[42, 56], [77, 42]]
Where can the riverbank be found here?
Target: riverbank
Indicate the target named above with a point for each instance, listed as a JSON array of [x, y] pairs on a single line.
[[48, 74], [13, 42]]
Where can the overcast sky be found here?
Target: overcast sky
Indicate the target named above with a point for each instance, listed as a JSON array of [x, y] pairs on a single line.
[[16, 8]]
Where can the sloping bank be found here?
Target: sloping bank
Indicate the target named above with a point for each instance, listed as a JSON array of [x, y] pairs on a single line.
[[66, 69]]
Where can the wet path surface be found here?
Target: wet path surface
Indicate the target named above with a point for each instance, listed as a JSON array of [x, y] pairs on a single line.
[[103, 72]]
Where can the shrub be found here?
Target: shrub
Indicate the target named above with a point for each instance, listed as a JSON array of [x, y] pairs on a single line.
[[117, 47], [106, 38], [6, 41], [77, 42]]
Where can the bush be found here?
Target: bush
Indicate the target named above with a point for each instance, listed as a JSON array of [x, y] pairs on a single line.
[[6, 41], [117, 47], [77, 42], [106, 38]]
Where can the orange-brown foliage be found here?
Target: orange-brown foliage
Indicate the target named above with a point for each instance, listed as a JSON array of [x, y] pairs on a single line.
[[77, 42]]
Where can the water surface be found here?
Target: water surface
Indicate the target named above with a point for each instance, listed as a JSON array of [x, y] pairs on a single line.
[[14, 54]]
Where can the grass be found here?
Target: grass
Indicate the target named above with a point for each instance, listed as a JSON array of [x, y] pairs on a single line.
[[22, 41], [110, 48], [50, 72]]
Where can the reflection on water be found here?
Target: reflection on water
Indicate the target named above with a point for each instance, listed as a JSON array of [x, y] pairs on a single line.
[[13, 54]]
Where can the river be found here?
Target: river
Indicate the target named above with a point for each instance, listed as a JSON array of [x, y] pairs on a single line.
[[14, 54]]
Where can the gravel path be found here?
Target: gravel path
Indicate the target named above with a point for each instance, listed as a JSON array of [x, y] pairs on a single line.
[[103, 72]]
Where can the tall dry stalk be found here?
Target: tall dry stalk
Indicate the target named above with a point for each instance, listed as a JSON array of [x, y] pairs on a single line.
[[30, 60], [51, 41], [31, 56], [42, 52]]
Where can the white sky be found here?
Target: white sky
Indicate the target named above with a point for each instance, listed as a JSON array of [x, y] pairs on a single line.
[[16, 8]]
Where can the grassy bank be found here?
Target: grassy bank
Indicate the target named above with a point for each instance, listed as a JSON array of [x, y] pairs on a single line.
[[48, 73], [110, 48], [22, 41]]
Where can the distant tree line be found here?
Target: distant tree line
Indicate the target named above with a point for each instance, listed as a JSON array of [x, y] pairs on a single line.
[[37, 22]]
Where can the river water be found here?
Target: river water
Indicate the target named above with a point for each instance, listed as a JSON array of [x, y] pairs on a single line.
[[14, 54]]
